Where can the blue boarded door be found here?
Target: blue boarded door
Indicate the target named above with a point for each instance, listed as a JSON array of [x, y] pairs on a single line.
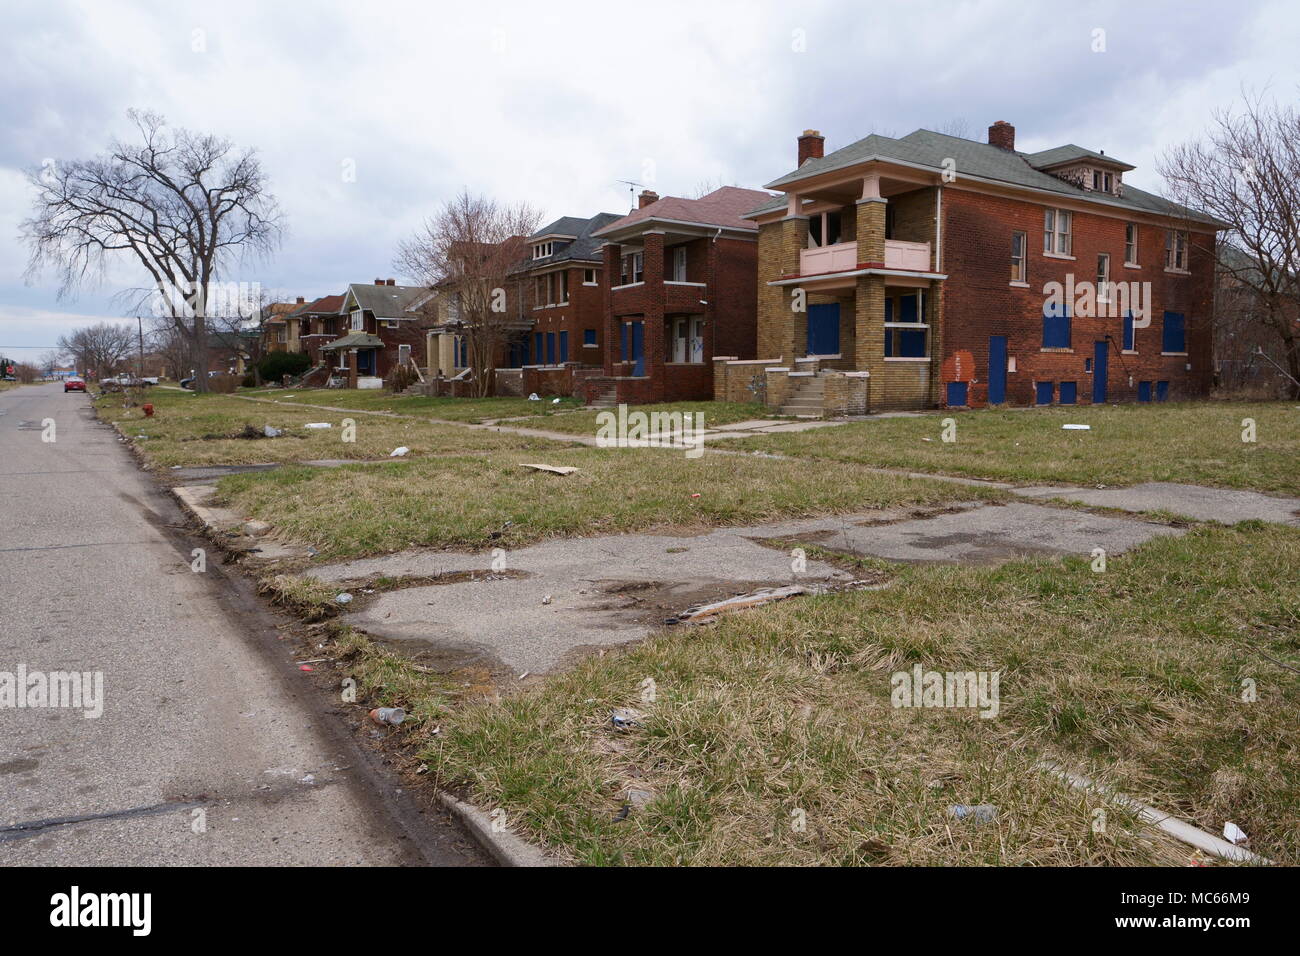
[[997, 369], [1043, 393], [824, 329], [956, 394], [638, 347], [1144, 391], [1069, 393], [1162, 391], [1100, 368]]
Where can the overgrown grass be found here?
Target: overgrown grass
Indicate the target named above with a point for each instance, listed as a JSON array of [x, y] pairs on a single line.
[[1135, 675], [1197, 443], [715, 413], [463, 501], [448, 409], [189, 429]]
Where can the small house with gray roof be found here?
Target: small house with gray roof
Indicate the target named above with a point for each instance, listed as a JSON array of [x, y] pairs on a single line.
[[381, 329], [924, 271]]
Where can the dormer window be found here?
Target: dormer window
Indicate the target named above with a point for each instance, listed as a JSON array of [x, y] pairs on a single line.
[[543, 249]]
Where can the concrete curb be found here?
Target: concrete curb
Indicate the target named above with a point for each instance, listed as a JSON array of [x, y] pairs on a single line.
[[506, 848]]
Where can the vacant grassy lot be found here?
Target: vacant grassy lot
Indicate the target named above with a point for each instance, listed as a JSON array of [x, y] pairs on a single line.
[[459, 501], [189, 429], [1135, 675], [715, 413], [1197, 443], [447, 409]]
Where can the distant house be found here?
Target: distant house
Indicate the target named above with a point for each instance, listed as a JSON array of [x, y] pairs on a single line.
[[280, 326], [319, 322], [680, 290], [382, 332]]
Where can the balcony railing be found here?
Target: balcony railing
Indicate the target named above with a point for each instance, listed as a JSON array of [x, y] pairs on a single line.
[[907, 256], [843, 257]]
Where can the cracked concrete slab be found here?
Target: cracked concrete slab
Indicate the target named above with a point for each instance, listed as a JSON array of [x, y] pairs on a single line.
[[580, 593], [1225, 505]]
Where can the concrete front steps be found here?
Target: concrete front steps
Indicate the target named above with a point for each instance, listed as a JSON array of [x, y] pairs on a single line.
[[607, 397], [808, 400]]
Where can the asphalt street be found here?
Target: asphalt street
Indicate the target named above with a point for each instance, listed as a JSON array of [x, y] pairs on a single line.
[[211, 748]]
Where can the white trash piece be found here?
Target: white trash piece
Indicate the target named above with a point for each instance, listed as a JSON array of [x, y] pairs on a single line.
[[270, 432], [344, 598], [318, 425], [1077, 428], [1235, 834], [534, 397], [555, 401], [399, 452]]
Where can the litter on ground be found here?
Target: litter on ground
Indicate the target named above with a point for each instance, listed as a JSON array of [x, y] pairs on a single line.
[[553, 469]]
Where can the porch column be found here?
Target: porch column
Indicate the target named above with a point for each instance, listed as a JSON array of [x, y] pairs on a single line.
[[779, 245], [869, 335], [871, 230], [352, 368], [656, 341]]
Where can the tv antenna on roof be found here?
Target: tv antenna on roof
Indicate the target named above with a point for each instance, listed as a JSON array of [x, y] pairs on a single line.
[[631, 187]]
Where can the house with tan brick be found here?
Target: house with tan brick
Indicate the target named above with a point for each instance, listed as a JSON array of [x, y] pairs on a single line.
[[931, 270], [679, 291]]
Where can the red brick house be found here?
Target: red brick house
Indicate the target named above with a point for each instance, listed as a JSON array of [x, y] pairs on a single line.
[[564, 293], [932, 270], [382, 331], [319, 323], [680, 289]]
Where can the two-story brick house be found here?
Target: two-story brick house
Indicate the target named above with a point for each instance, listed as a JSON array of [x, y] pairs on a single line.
[[564, 293], [680, 289], [319, 323], [381, 331], [923, 271]]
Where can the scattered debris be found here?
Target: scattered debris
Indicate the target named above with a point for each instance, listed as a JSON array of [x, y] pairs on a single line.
[[552, 469], [555, 401], [980, 813], [344, 598], [1235, 835], [1077, 428], [399, 452], [389, 716], [625, 718], [547, 599], [270, 432], [305, 667], [534, 397], [255, 528], [638, 798], [308, 779], [318, 425]]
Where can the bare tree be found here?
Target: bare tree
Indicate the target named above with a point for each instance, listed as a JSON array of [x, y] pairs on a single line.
[[99, 349], [469, 251], [187, 207], [1245, 173], [958, 126]]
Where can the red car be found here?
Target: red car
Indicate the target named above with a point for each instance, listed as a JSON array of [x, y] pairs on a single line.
[[73, 385]]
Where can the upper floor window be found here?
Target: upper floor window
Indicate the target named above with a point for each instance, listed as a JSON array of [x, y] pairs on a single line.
[[823, 229], [1102, 181], [1176, 249], [1130, 243], [633, 268], [1103, 276], [543, 249], [1056, 232], [589, 277], [679, 264], [358, 320], [1018, 264]]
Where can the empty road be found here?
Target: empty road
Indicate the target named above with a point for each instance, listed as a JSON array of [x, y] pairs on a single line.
[[211, 748]]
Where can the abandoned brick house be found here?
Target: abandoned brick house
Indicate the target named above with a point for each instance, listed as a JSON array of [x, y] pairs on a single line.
[[680, 289], [917, 272], [382, 330]]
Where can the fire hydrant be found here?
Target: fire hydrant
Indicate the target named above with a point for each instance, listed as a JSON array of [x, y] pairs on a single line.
[[148, 410]]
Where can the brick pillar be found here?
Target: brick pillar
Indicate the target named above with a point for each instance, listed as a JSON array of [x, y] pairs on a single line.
[[352, 368], [655, 339], [613, 341], [871, 231], [869, 335]]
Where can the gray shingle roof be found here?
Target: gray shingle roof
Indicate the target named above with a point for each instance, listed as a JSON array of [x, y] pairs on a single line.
[[1064, 154], [928, 149], [386, 301], [585, 248]]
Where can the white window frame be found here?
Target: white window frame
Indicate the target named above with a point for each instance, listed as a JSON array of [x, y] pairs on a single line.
[[1130, 244], [543, 249], [358, 319], [823, 218], [1176, 249], [590, 277], [1057, 241], [1103, 276], [679, 264], [1020, 263]]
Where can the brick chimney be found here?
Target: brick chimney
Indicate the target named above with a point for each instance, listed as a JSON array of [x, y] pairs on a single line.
[[1003, 135], [646, 198], [812, 145], [301, 300], [379, 282], [391, 282]]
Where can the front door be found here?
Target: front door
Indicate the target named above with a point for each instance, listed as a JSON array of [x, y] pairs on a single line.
[[1100, 357], [638, 347], [824, 329], [365, 361], [997, 369]]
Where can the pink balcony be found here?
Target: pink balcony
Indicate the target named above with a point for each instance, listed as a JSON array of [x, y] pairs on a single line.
[[907, 256], [841, 257]]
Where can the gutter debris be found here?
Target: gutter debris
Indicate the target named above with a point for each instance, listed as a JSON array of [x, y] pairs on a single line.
[[703, 613]]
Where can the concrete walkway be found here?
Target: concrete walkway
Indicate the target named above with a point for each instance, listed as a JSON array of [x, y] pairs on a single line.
[[566, 596], [1225, 505]]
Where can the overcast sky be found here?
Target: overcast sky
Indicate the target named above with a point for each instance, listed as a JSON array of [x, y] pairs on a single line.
[[554, 103]]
